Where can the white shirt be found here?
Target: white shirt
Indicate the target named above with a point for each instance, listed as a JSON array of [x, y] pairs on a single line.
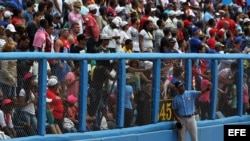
[[30, 108], [134, 35], [147, 41], [113, 43], [2, 121]]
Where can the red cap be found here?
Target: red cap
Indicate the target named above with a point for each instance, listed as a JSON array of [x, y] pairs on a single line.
[[6, 101], [220, 33], [211, 43], [187, 23], [28, 76], [71, 99], [212, 31]]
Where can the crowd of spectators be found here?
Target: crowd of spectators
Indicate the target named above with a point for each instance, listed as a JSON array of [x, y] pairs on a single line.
[[115, 26]]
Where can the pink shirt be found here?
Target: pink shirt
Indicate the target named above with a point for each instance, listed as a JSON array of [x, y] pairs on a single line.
[[206, 96], [40, 38], [74, 88], [91, 23]]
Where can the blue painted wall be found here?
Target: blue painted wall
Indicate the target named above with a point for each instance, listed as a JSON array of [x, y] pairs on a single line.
[[209, 130]]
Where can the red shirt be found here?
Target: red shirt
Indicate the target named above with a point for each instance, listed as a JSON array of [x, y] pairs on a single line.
[[57, 104], [91, 24], [232, 24]]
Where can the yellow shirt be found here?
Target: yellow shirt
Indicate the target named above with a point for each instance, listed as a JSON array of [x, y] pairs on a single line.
[[126, 51]]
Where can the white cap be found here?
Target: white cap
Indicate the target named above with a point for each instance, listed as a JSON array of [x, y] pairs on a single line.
[[48, 100], [119, 9], [92, 7], [153, 9], [117, 21], [124, 23], [52, 82], [172, 13], [105, 36], [7, 14], [246, 20], [179, 12], [11, 28]]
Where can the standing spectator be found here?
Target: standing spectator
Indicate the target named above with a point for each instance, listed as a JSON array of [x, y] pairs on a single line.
[[146, 38], [103, 47], [158, 35], [2, 37], [195, 42], [92, 30], [72, 81], [28, 13], [112, 30], [39, 42], [75, 16], [134, 34], [32, 27], [7, 17], [27, 100], [204, 100], [129, 112], [62, 67], [102, 19], [74, 32], [183, 111], [8, 73]]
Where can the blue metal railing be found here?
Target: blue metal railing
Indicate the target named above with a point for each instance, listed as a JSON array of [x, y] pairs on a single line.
[[156, 57]]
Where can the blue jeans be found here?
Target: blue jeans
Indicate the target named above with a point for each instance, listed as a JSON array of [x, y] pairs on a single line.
[[30, 119]]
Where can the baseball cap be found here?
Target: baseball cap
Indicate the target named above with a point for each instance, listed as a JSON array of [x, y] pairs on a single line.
[[212, 31], [7, 14], [119, 9], [172, 13], [237, 39], [11, 28], [6, 101], [195, 29], [117, 21], [28, 76], [179, 84], [52, 82], [246, 20], [92, 7], [48, 100], [123, 23], [220, 33], [71, 99], [57, 15], [187, 23]]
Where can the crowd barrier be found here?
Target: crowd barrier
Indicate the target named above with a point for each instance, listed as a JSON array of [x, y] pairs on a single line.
[[208, 130]]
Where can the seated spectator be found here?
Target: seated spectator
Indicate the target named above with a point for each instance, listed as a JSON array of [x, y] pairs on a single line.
[[6, 123], [51, 127]]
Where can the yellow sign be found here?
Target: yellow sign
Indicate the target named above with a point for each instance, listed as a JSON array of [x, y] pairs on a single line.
[[165, 112]]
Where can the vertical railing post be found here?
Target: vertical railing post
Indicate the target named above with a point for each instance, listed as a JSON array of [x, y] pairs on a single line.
[[156, 90], [240, 87], [213, 104], [42, 77], [121, 93], [188, 74], [83, 95]]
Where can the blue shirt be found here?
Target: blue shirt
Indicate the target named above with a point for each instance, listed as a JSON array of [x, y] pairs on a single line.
[[27, 16], [207, 17], [129, 92], [184, 104]]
